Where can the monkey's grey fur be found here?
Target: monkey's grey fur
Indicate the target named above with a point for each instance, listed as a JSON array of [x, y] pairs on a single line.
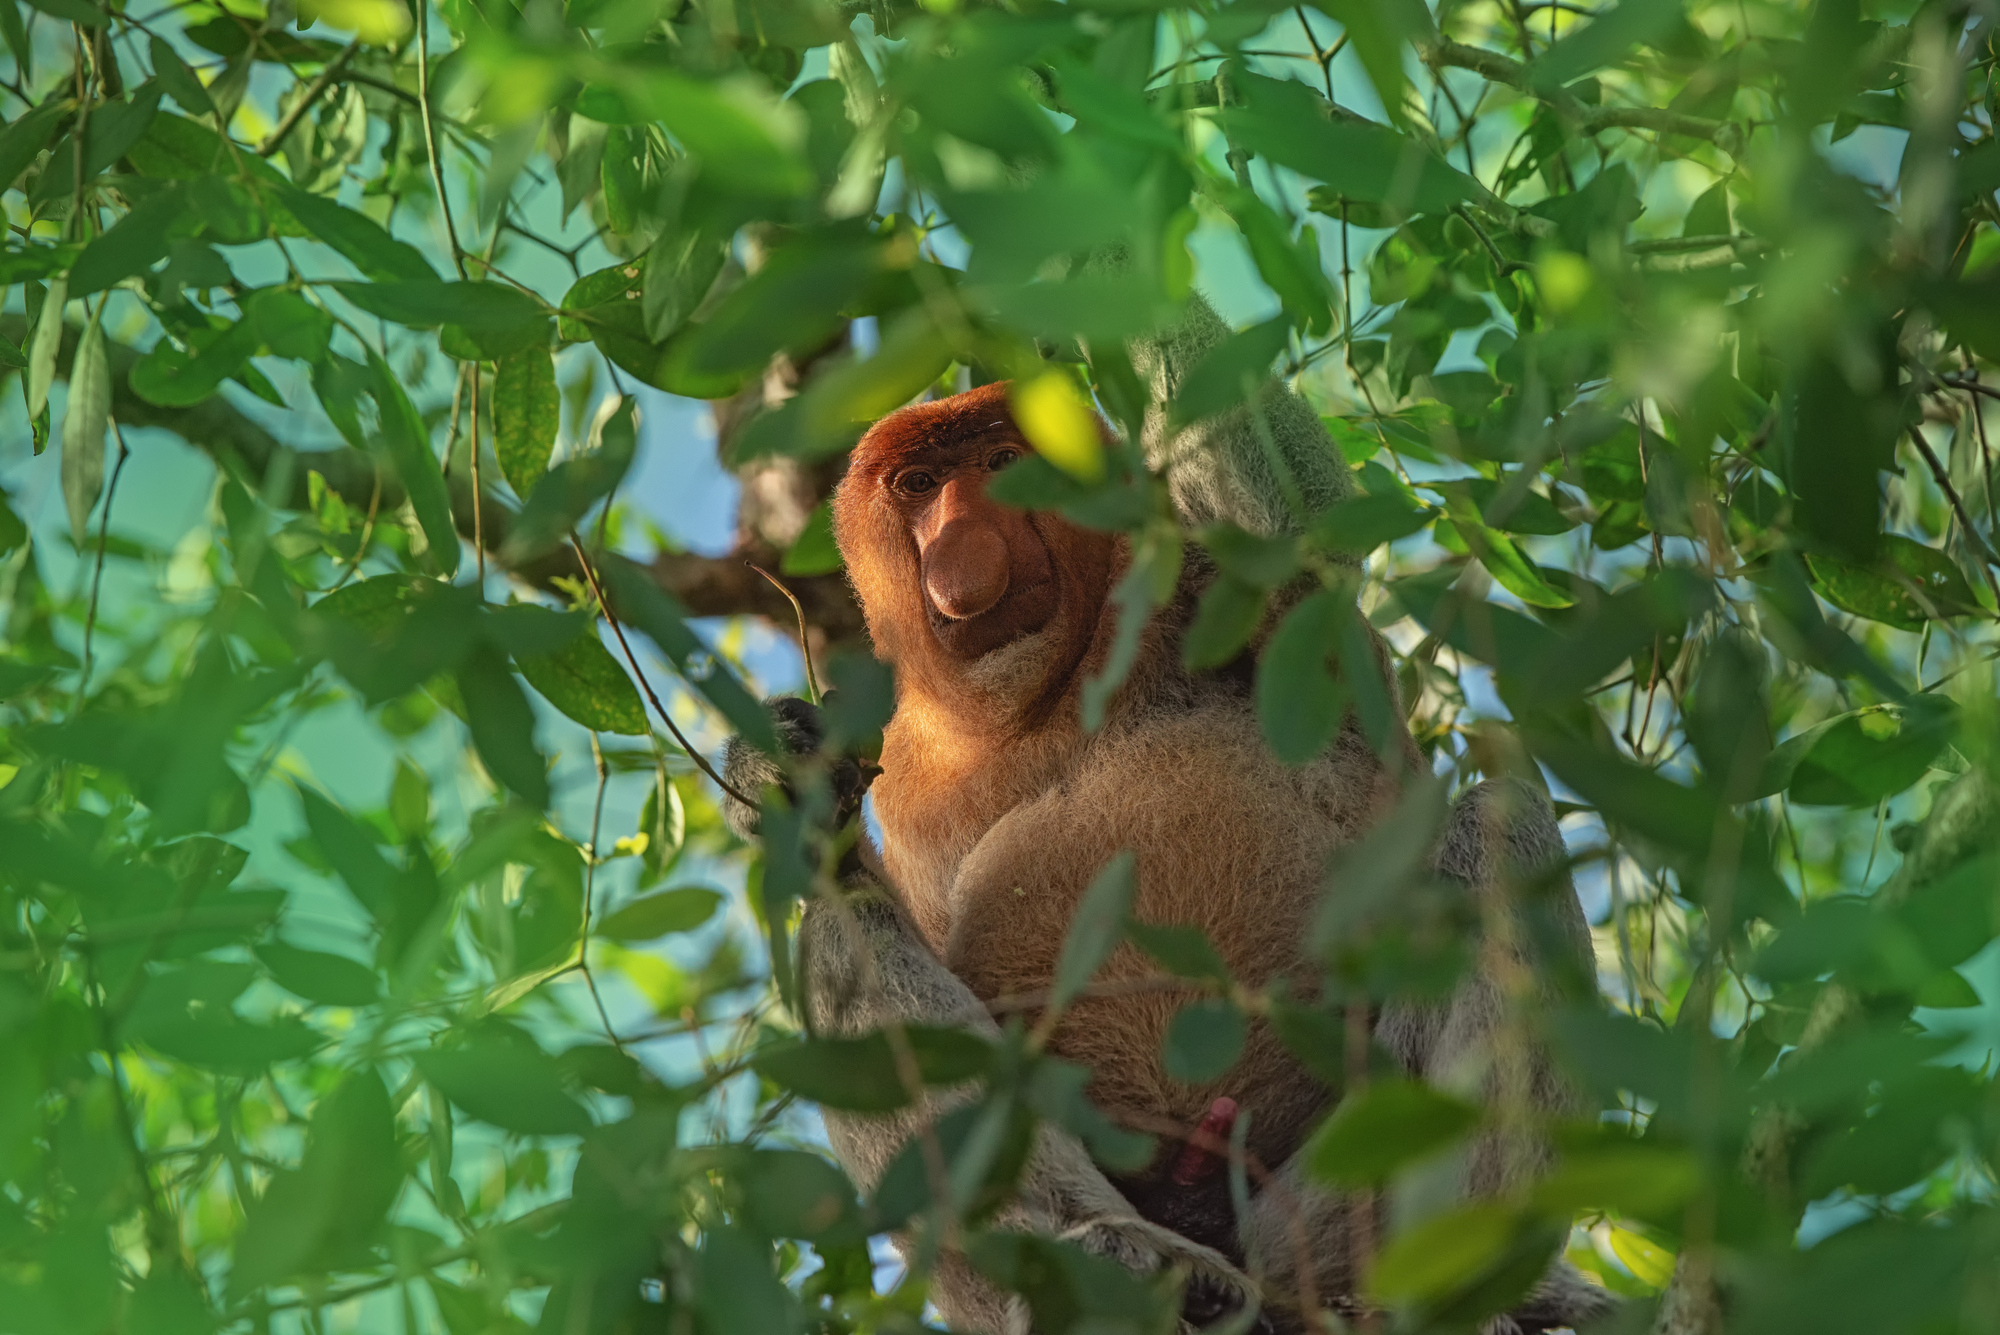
[[1264, 467]]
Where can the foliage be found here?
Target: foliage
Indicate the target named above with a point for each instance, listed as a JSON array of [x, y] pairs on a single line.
[[1666, 412]]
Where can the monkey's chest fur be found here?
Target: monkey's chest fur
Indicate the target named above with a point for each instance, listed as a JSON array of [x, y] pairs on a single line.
[[1227, 840]]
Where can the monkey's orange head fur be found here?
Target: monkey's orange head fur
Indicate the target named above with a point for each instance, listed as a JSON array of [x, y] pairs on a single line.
[[959, 590]]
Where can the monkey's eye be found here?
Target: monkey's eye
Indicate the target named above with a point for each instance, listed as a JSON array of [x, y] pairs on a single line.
[[915, 483], [1001, 458]]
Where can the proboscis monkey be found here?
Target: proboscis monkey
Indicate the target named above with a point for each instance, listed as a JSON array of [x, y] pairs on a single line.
[[997, 809]]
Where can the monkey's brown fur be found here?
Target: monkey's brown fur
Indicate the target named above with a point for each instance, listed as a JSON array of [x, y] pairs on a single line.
[[997, 810]]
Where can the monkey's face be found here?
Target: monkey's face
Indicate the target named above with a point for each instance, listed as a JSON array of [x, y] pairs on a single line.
[[973, 601], [984, 568]]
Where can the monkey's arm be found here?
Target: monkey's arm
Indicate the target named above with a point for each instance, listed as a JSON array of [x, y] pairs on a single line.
[[1502, 841], [1266, 466]]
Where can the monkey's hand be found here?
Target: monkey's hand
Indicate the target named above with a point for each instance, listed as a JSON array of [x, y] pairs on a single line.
[[801, 732], [1213, 1288]]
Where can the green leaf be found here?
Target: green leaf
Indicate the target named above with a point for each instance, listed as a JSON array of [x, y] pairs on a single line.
[[409, 445], [288, 325], [331, 980], [426, 303], [21, 141], [680, 269], [1362, 523], [1204, 1040], [229, 1044], [1095, 929], [1872, 754], [1227, 616], [1300, 701], [73, 11], [20, 46], [86, 416], [1506, 562], [350, 848], [1380, 31], [333, 1205], [567, 492], [1185, 952], [1906, 585], [1442, 1253], [585, 682], [1290, 124], [43, 349], [1603, 41], [178, 81], [115, 126], [360, 240], [18, 266], [527, 410], [1232, 371], [503, 726], [654, 916], [175, 377], [1375, 1133], [744, 136], [513, 1086], [861, 1074]]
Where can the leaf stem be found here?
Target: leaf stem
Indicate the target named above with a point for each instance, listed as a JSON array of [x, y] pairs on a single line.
[[97, 575], [430, 132], [306, 99], [645, 682]]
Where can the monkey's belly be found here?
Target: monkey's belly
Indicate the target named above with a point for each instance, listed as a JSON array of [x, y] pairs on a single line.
[[1227, 840]]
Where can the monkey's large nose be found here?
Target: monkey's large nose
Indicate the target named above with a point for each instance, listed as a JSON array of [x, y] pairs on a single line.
[[965, 568]]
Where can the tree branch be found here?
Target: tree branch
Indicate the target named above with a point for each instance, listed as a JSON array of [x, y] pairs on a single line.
[[708, 586]]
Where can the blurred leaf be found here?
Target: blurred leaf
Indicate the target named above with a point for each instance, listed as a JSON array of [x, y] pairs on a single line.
[[1392, 1123], [1300, 701], [515, 1087], [1185, 952], [1204, 1041], [1906, 585], [1226, 376], [331, 980], [409, 446], [655, 916], [863, 1075], [1865, 756], [86, 417], [1094, 929], [1291, 125], [1603, 40], [1442, 1253], [425, 303]]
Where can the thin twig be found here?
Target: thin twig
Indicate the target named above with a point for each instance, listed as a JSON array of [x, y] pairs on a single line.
[[478, 511], [307, 99], [645, 683], [430, 135], [367, 533], [1501, 262], [805, 644], [97, 575], [589, 885], [1972, 535]]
